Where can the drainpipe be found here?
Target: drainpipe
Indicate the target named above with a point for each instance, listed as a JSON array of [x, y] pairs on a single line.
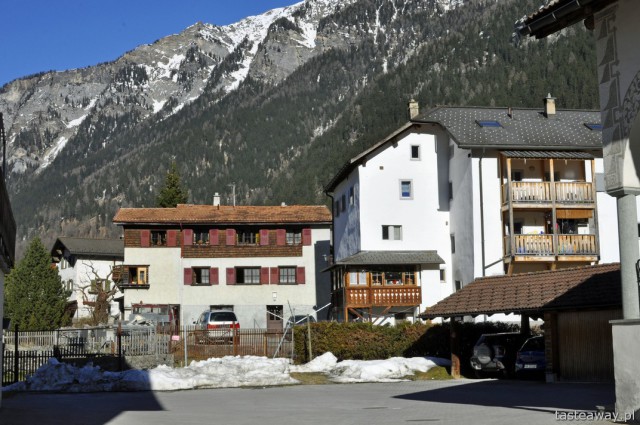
[[481, 217]]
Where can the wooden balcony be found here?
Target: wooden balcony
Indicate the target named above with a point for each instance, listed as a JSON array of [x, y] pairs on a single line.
[[551, 247], [536, 194], [381, 296]]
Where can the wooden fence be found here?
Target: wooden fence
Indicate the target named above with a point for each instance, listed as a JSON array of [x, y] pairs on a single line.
[[25, 352]]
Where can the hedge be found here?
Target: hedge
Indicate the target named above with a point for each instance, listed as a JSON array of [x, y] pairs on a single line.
[[365, 341]]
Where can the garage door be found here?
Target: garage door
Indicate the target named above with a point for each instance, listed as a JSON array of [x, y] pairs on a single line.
[[585, 351]]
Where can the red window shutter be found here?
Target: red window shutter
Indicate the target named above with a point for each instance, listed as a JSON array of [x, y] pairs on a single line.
[[172, 238], [231, 236], [213, 237], [281, 237], [306, 236], [213, 276], [145, 238], [264, 275], [231, 276], [264, 237], [300, 278], [188, 276], [187, 237], [275, 276]]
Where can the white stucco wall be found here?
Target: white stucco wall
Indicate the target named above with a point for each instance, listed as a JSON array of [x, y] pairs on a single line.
[[424, 218], [463, 210], [347, 223], [492, 243], [81, 274], [166, 282]]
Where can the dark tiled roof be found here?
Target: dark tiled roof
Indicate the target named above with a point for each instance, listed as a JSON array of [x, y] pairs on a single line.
[[392, 257], [558, 14], [548, 154], [529, 129], [525, 129], [110, 248], [299, 214], [580, 287]]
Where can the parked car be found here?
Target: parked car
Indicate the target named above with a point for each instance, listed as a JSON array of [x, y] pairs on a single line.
[[530, 358], [217, 326], [495, 354]]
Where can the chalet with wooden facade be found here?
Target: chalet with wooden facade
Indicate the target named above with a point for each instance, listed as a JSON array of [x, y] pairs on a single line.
[[464, 192], [263, 262]]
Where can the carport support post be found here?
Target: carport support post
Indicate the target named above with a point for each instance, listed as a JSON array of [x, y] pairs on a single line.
[[454, 330], [628, 240]]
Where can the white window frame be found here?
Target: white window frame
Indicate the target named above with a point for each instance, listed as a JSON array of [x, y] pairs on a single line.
[[393, 232], [419, 156], [403, 182]]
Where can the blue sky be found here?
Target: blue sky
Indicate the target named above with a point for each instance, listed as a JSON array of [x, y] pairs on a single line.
[[43, 35]]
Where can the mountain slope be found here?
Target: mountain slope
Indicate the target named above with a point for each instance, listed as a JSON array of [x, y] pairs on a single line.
[[277, 115]]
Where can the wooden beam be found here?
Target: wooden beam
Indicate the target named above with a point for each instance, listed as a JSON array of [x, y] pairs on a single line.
[[354, 311], [454, 332]]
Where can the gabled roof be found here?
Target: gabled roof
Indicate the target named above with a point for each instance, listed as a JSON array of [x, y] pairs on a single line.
[[575, 288], [392, 257], [209, 214], [524, 129], [87, 247], [558, 14]]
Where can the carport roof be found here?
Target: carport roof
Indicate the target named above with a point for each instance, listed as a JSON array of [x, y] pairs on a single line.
[[575, 288]]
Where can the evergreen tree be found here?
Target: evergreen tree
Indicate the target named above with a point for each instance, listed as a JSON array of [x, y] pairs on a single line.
[[34, 296], [172, 193]]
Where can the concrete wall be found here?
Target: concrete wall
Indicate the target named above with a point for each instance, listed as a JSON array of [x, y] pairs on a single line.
[[626, 346], [347, 223]]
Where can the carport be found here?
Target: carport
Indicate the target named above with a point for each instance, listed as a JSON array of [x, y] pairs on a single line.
[[576, 305]]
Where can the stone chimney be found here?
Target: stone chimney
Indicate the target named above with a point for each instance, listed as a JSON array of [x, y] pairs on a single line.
[[216, 199], [550, 106], [414, 109]]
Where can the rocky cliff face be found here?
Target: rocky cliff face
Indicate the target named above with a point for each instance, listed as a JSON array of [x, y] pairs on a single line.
[[272, 104]]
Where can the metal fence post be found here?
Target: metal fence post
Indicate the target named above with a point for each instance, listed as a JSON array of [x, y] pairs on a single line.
[[119, 339], [16, 353]]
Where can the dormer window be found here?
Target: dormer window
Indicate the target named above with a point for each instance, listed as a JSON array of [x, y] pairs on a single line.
[[488, 123]]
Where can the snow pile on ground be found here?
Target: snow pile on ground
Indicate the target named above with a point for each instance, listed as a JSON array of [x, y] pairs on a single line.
[[247, 371], [389, 370]]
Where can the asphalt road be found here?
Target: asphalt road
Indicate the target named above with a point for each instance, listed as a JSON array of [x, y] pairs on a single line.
[[441, 402]]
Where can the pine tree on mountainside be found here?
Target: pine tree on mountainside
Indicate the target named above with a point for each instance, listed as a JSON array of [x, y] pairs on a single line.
[[172, 193], [34, 296]]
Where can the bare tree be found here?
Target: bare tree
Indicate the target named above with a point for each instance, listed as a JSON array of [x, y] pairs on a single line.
[[98, 291]]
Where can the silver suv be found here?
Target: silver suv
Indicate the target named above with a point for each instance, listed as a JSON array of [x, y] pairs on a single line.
[[217, 326]]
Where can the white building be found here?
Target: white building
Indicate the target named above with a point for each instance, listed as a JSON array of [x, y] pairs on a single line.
[[84, 264], [262, 262], [484, 191]]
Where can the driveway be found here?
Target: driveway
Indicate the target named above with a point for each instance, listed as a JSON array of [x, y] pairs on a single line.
[[442, 402]]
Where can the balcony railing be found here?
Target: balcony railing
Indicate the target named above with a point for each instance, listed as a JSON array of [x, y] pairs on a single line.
[[543, 245], [540, 192], [381, 296], [574, 192]]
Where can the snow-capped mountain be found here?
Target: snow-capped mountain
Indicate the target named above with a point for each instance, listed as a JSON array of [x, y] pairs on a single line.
[[271, 105], [43, 112]]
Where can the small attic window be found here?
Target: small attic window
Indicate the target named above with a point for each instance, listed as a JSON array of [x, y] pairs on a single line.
[[489, 123], [593, 126]]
